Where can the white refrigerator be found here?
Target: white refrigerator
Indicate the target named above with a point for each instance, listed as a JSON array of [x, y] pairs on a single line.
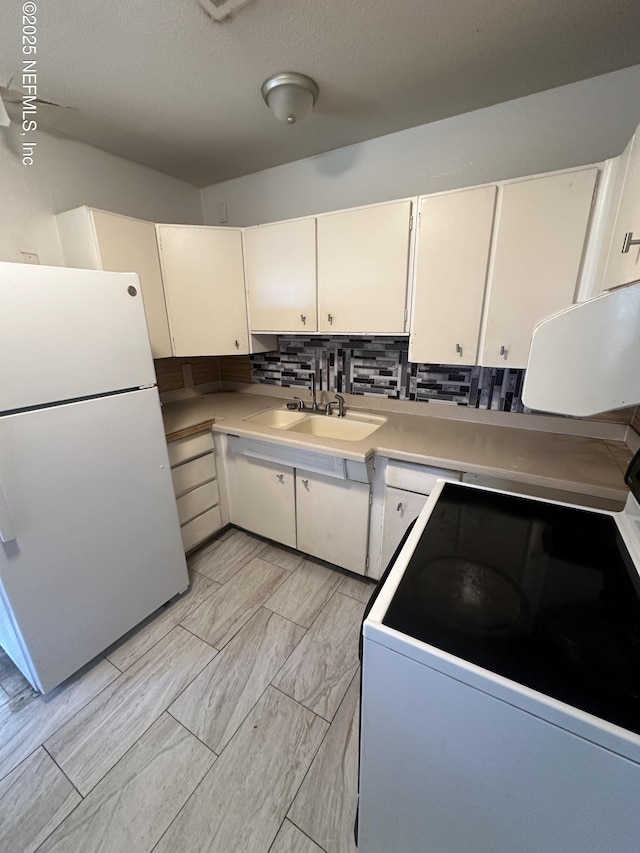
[[89, 535]]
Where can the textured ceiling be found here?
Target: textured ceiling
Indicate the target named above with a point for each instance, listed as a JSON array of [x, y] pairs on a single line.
[[159, 82]]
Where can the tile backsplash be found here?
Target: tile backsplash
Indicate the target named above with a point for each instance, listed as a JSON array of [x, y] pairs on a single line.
[[379, 366]]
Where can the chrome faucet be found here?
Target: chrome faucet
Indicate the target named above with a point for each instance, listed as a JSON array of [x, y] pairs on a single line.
[[314, 407], [301, 405], [314, 402]]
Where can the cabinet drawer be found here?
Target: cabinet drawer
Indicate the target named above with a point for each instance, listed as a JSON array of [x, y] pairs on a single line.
[[416, 478], [201, 527], [193, 473], [190, 447], [197, 501]]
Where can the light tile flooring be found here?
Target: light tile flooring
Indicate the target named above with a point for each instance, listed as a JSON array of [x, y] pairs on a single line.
[[228, 721]]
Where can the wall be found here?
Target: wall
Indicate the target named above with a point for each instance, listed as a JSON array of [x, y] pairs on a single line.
[[67, 174], [585, 122]]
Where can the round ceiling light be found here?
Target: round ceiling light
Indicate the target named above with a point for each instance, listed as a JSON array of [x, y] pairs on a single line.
[[290, 96]]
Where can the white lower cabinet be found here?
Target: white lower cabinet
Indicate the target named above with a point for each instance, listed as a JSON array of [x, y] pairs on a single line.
[[333, 519], [195, 483], [400, 509], [262, 497], [400, 491], [325, 515]]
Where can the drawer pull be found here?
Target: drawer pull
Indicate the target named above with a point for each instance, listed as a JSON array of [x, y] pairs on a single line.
[[280, 477]]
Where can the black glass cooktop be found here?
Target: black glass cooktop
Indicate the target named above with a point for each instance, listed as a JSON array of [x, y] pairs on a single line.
[[544, 595]]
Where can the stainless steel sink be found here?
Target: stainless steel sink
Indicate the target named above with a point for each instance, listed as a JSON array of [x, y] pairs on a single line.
[[354, 426]]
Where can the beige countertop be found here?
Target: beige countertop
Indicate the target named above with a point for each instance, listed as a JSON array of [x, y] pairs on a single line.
[[588, 466]]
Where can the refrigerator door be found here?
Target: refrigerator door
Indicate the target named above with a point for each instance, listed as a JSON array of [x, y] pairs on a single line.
[[67, 333], [94, 546]]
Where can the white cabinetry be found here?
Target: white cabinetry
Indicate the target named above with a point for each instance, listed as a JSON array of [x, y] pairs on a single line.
[[452, 254], [541, 230], [363, 265], [623, 261], [400, 490], [96, 240], [280, 265], [400, 509], [333, 519], [262, 497], [320, 506], [203, 277], [195, 483]]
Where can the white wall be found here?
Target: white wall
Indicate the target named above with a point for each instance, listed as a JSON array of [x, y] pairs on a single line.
[[67, 174], [584, 122]]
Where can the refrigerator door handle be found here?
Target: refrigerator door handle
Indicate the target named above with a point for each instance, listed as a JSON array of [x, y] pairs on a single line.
[[7, 530]]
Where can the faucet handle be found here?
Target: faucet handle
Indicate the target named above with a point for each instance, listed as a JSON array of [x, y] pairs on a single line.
[[300, 402], [340, 402], [328, 407]]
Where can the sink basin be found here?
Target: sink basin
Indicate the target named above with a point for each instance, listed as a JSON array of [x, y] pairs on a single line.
[[352, 427], [276, 418]]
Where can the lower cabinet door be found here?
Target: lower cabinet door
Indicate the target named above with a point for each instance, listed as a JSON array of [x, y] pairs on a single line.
[[400, 509], [262, 498], [333, 519]]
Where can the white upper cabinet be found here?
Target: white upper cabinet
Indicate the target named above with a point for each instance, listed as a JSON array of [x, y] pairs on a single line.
[[94, 239], [623, 261], [541, 231], [452, 254], [203, 277], [363, 264], [280, 266]]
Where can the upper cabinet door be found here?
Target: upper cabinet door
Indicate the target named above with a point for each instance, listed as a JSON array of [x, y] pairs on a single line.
[[541, 232], [128, 245], [280, 264], [94, 239], [204, 285], [363, 263], [623, 262], [452, 246]]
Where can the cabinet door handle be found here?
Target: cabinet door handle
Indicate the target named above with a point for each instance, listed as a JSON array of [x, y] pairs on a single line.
[[628, 242], [330, 318], [303, 317], [7, 531], [280, 477], [305, 483], [399, 507], [459, 349], [237, 345], [504, 351]]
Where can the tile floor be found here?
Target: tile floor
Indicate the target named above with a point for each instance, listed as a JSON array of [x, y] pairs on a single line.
[[228, 721]]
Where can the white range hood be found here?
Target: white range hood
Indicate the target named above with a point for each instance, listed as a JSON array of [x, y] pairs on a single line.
[[586, 360]]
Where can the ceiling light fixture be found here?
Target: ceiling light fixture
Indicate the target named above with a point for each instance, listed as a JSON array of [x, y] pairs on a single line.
[[290, 96]]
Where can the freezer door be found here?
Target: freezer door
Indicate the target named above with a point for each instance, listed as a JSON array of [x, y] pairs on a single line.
[[68, 333], [95, 541]]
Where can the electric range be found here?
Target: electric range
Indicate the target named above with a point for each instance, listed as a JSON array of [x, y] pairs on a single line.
[[501, 679]]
